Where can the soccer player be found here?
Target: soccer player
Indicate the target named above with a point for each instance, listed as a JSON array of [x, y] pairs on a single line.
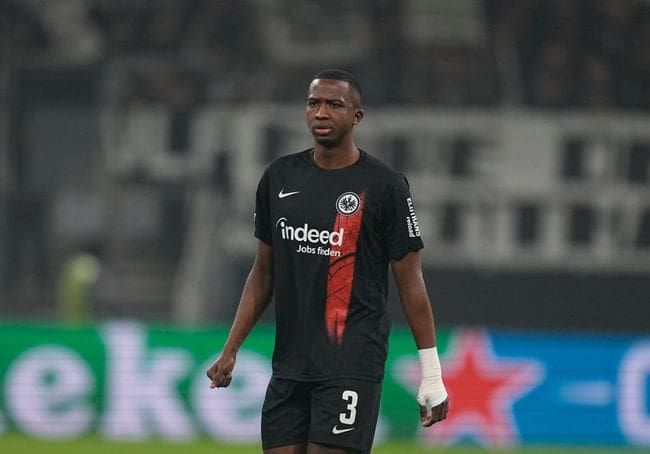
[[329, 222]]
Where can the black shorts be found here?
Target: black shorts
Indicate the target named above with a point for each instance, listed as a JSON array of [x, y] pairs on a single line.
[[337, 412]]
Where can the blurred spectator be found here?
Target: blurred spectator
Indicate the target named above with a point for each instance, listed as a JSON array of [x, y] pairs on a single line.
[[27, 255], [74, 39], [381, 74], [553, 78], [295, 34], [549, 50], [180, 92], [598, 84], [21, 31], [580, 54], [121, 22], [609, 33], [607, 26], [634, 83], [448, 77], [165, 24], [223, 32], [224, 38], [445, 63], [162, 85], [77, 287]]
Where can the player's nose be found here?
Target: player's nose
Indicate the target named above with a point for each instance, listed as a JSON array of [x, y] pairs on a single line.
[[322, 112]]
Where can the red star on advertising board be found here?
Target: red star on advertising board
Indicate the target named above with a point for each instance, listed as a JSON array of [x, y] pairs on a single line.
[[482, 390]]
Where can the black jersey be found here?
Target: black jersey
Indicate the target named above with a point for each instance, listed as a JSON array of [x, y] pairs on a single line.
[[333, 234]]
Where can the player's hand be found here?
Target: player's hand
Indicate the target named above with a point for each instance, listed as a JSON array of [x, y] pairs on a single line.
[[220, 373], [433, 400], [436, 414]]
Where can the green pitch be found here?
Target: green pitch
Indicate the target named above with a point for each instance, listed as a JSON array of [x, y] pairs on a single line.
[[23, 445]]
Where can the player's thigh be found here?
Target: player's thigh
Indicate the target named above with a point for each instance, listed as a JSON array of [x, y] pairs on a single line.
[[344, 413], [300, 448], [286, 415], [317, 448]]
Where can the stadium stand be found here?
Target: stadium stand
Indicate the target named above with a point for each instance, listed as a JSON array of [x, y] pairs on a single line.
[[122, 124]]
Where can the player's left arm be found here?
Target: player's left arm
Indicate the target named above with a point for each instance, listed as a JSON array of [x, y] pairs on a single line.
[[416, 306]]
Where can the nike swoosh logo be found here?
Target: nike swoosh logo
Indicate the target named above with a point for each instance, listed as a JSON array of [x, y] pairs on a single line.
[[336, 430], [283, 194]]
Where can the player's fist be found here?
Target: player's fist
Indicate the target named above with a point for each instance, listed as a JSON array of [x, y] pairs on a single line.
[[437, 413], [220, 373], [432, 395]]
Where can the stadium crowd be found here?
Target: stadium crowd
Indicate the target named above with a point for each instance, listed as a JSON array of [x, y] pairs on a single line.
[[577, 54], [98, 55]]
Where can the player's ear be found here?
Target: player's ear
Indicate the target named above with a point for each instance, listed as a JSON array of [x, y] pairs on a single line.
[[358, 115]]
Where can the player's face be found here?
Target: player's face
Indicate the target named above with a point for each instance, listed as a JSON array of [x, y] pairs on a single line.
[[332, 111]]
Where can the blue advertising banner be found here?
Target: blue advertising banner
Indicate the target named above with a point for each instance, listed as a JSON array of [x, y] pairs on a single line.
[[507, 388]]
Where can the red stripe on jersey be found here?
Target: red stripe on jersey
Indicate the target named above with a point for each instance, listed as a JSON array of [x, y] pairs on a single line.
[[341, 273]]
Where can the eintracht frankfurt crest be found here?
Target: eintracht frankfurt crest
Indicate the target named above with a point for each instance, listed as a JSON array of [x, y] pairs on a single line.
[[347, 203]]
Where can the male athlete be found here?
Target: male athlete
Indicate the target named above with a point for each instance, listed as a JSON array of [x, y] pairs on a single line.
[[330, 220]]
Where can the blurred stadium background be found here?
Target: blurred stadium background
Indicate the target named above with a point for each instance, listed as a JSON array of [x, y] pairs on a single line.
[[133, 134]]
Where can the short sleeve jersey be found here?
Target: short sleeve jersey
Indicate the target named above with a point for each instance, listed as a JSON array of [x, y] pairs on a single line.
[[333, 234]]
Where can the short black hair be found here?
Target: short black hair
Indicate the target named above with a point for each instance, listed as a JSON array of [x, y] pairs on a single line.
[[340, 74]]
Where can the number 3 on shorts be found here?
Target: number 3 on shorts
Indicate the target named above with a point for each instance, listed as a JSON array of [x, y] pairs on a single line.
[[351, 397]]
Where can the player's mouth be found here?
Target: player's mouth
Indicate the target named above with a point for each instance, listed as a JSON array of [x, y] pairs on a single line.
[[322, 130]]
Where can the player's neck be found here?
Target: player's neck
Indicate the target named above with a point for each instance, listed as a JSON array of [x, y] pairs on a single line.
[[336, 157]]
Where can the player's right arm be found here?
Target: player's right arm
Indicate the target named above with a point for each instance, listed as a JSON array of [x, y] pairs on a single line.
[[254, 300]]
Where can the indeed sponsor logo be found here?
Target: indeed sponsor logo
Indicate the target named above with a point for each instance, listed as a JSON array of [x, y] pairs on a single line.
[[306, 234]]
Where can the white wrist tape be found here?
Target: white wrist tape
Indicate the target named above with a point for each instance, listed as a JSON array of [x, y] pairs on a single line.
[[432, 390]]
